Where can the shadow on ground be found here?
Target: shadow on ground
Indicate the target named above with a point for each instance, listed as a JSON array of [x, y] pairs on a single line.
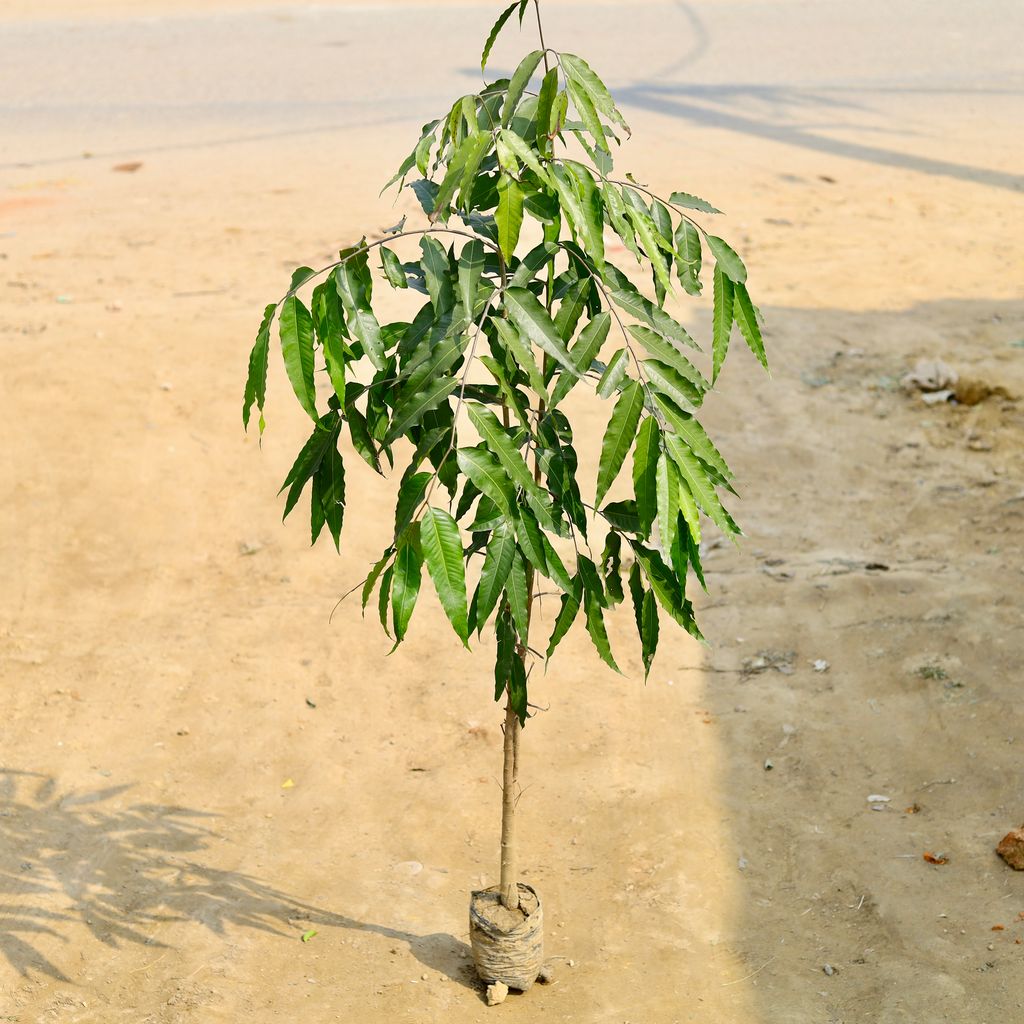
[[70, 858]]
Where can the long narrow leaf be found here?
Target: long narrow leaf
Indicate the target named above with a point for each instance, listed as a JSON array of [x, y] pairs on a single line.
[[296, 327], [442, 551], [618, 438]]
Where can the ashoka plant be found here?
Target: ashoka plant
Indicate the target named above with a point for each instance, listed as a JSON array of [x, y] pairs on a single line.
[[522, 305]]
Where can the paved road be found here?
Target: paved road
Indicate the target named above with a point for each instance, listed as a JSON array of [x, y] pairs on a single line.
[[885, 81]]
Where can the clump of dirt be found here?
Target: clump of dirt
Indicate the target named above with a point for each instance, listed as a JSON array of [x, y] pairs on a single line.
[[489, 906]]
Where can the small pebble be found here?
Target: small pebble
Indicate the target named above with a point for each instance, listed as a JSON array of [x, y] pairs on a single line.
[[496, 993], [424, 976], [768, 765], [829, 969]]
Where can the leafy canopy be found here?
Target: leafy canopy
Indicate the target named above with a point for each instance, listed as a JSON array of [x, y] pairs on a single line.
[[522, 305]]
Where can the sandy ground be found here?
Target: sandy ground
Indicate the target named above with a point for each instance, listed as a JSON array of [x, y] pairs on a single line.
[[198, 767]]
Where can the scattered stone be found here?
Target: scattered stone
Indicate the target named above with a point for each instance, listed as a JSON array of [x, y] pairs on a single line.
[[496, 993], [768, 764], [829, 969], [409, 867], [781, 661], [931, 376], [820, 665], [1011, 848]]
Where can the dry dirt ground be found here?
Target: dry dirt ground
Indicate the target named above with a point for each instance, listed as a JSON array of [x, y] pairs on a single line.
[[199, 768]]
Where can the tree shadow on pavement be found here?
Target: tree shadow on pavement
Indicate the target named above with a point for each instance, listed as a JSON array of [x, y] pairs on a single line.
[[70, 858]]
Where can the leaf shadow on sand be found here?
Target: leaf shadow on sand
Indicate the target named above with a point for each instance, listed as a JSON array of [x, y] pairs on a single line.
[[70, 858]]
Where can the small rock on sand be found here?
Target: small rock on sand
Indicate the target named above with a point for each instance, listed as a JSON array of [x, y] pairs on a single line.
[[1011, 848], [496, 993]]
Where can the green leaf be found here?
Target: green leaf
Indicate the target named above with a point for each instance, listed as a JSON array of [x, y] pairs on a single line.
[[566, 616], [645, 466], [495, 29], [746, 319], [618, 438], [598, 632], [517, 588], [329, 488], [509, 217], [531, 263], [649, 631], [392, 267], [488, 476], [726, 258], [256, 383], [555, 567], [622, 515], [531, 540], [371, 579], [695, 477], [442, 550], [545, 106], [436, 355], [580, 71], [591, 207], [517, 84], [672, 383], [695, 436], [463, 160], [588, 112], [296, 327], [308, 460], [667, 489], [505, 654], [532, 319], [471, 267], [613, 374], [617, 215], [523, 353], [665, 586], [583, 353], [494, 574], [437, 273], [411, 408], [498, 441], [405, 583], [571, 308], [517, 698], [611, 566], [329, 324], [721, 321], [410, 496], [626, 296], [650, 238], [665, 350], [688, 202], [522, 151], [636, 592], [352, 282], [691, 517], [689, 257], [384, 597], [360, 435]]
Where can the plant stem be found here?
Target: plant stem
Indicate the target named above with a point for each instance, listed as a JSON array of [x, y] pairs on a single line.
[[509, 869], [540, 32]]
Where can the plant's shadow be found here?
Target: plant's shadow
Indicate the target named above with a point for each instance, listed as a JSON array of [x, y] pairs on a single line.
[[123, 872]]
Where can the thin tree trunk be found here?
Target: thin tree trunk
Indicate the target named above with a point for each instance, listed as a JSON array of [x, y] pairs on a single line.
[[509, 868]]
